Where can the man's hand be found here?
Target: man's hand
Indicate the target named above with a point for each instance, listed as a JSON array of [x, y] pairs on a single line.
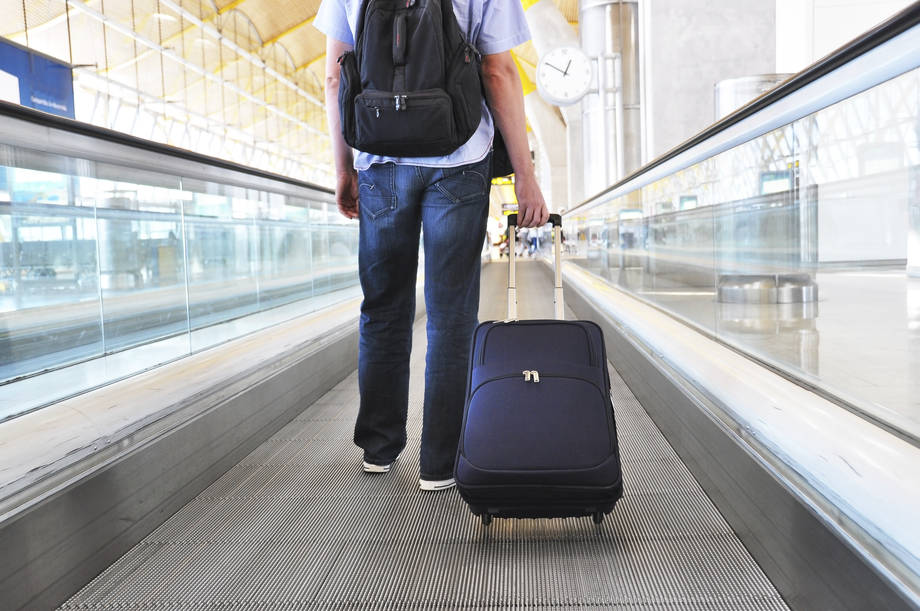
[[346, 194], [532, 210]]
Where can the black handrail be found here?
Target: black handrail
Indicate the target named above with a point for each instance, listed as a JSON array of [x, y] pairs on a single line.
[[882, 33], [25, 113]]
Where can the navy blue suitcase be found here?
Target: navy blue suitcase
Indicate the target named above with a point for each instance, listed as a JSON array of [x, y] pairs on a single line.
[[538, 437]]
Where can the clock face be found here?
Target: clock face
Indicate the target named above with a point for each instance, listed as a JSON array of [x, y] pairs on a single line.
[[564, 75]]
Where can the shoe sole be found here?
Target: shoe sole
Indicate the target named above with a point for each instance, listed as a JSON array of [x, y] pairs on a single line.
[[372, 468], [429, 486]]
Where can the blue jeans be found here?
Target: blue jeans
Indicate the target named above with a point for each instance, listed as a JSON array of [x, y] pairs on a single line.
[[450, 206]]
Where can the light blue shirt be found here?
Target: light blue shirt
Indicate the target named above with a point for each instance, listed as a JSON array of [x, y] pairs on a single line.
[[497, 26]]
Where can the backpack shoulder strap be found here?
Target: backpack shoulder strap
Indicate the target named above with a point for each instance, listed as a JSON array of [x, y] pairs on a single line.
[[359, 26], [452, 32]]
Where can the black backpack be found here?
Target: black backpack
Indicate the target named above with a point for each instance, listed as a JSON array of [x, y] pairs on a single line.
[[411, 87]]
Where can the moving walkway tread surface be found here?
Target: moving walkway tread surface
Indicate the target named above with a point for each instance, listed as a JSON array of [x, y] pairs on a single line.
[[298, 525]]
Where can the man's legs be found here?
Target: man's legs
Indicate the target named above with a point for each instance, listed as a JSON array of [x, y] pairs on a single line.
[[454, 211], [388, 263]]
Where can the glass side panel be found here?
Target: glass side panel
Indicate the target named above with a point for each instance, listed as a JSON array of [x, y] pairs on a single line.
[[795, 247], [49, 299], [286, 267], [141, 263], [335, 250], [222, 257], [107, 270]]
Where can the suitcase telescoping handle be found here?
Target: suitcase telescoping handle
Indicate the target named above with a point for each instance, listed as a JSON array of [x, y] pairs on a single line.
[[558, 303]]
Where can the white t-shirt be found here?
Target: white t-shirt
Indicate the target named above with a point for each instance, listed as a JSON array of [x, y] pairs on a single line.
[[496, 25]]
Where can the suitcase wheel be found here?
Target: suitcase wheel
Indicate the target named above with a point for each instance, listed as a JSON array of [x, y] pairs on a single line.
[[598, 517], [486, 519]]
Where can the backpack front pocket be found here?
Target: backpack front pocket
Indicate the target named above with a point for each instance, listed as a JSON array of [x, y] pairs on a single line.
[[415, 124]]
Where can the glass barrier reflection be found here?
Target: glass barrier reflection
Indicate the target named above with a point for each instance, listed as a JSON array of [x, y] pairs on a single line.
[[98, 259], [792, 247]]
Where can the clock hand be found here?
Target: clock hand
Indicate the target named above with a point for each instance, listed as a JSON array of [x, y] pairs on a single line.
[[567, 66], [559, 69]]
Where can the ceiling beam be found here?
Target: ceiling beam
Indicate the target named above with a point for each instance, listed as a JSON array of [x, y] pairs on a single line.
[[230, 7], [290, 30]]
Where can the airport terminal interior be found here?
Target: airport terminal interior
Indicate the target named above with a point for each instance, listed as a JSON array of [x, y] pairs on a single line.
[[738, 183]]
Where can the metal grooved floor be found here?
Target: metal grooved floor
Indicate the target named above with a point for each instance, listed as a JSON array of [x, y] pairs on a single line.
[[297, 525]]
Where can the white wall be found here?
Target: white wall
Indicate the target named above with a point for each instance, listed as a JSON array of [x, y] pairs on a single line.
[[807, 30], [690, 45]]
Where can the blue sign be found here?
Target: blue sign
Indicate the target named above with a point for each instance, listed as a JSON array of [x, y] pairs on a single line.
[[35, 80]]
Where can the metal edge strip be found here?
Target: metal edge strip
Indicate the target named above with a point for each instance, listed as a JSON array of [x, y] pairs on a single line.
[[61, 124]]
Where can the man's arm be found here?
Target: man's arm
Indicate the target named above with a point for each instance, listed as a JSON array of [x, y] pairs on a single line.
[[506, 101], [346, 179]]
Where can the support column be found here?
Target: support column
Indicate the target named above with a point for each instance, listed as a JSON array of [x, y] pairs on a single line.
[[611, 119]]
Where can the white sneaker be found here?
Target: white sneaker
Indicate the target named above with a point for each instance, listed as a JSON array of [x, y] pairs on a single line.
[[370, 467], [431, 484]]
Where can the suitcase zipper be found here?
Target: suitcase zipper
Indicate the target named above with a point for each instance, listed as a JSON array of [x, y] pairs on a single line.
[[534, 377], [611, 421]]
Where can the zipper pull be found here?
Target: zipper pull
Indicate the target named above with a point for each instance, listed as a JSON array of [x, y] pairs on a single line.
[[526, 375], [377, 110], [398, 107], [536, 376], [466, 55]]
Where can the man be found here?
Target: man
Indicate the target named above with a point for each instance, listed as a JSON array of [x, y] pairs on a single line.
[[448, 198]]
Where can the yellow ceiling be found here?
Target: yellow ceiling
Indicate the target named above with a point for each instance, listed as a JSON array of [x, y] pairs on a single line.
[[288, 23]]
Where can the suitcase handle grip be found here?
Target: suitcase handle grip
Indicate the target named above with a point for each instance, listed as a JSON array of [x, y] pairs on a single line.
[[558, 300], [554, 219]]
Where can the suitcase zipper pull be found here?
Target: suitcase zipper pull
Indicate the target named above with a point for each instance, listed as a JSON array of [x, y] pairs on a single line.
[[526, 375], [531, 376], [536, 376]]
